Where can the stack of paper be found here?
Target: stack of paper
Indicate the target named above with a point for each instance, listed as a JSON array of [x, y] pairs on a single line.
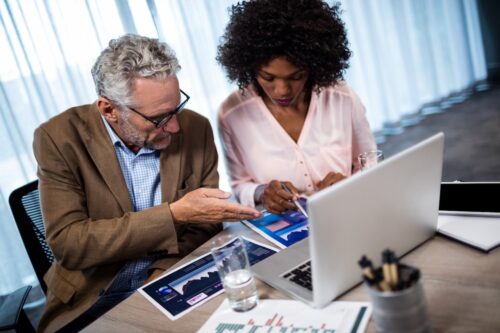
[[482, 232]]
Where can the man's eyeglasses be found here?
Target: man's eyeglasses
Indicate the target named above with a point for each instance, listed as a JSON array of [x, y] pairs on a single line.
[[162, 120]]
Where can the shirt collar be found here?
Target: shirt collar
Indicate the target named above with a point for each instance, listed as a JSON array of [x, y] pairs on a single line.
[[117, 142]]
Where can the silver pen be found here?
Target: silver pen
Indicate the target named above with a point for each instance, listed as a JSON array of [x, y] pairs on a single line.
[[295, 201]]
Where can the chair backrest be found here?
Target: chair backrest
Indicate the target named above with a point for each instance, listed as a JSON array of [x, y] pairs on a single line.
[[25, 205]]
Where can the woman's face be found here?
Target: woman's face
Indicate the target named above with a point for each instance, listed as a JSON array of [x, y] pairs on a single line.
[[282, 82]]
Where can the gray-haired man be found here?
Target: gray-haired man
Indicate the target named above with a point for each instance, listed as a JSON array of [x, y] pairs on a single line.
[[128, 184]]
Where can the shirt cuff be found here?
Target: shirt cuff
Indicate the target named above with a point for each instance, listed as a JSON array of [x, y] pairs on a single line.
[[257, 195], [245, 193]]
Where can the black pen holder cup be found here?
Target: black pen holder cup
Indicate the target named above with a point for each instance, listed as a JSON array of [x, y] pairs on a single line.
[[400, 311]]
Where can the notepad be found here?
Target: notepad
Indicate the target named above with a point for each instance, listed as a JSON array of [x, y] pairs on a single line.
[[482, 232]]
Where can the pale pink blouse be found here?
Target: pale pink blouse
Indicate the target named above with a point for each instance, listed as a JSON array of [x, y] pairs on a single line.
[[259, 150]]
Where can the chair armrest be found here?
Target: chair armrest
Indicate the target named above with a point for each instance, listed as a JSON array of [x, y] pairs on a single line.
[[11, 306]]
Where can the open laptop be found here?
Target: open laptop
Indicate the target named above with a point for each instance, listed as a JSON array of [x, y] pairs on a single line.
[[392, 205]]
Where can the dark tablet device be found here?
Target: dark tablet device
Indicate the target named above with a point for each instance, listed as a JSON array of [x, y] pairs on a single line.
[[470, 197]]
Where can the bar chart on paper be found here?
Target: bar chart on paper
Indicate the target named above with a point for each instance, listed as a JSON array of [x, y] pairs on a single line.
[[292, 316], [274, 324]]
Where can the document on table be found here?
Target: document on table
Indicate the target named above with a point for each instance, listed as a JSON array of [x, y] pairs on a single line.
[[482, 232], [194, 283], [287, 316], [282, 229]]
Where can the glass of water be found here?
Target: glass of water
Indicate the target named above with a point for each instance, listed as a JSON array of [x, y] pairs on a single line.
[[231, 260], [370, 158]]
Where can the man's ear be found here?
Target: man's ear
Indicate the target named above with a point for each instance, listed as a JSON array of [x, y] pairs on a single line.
[[106, 109]]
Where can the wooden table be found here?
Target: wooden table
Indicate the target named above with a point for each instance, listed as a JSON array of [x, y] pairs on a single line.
[[461, 284]]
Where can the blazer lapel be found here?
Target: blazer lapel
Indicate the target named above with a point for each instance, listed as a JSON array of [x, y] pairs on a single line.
[[171, 168], [103, 154]]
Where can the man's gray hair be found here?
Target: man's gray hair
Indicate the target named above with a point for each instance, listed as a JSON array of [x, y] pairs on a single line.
[[127, 58]]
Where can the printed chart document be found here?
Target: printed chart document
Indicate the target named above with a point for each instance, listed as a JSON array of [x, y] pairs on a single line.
[[194, 283], [287, 316], [482, 232], [282, 229]]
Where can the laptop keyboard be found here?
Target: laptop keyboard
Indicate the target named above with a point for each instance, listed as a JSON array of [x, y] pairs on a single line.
[[300, 275]]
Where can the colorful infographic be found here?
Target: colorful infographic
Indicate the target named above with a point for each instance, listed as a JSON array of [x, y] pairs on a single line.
[[194, 283], [282, 229], [289, 316]]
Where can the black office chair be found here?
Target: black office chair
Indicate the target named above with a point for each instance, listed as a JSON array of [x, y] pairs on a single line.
[[25, 205], [12, 316]]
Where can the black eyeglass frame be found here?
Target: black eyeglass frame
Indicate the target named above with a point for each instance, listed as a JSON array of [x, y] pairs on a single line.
[[168, 115]]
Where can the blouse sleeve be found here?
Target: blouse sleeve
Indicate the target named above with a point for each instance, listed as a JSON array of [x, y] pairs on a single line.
[[362, 136], [241, 182]]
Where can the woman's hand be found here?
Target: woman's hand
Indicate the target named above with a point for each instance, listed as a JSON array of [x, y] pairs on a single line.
[[330, 179], [276, 199]]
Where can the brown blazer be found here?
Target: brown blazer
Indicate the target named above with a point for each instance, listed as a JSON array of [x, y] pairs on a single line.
[[90, 225]]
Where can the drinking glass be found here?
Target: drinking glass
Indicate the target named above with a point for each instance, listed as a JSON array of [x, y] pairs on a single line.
[[232, 264], [370, 158]]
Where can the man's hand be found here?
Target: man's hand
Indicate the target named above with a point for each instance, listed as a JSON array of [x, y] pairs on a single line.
[[208, 205], [330, 179], [276, 199]]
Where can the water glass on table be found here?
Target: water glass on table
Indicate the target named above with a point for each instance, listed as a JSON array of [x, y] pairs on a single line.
[[370, 158], [232, 264]]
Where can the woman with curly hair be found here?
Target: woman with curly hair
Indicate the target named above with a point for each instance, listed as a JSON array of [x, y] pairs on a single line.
[[293, 122]]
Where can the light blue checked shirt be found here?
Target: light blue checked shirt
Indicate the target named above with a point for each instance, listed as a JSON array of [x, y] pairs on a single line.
[[141, 172], [142, 175]]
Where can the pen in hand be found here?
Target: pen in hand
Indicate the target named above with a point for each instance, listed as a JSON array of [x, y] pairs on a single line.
[[295, 201]]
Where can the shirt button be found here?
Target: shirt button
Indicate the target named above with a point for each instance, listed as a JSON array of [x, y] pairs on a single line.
[[309, 185], [301, 162], [305, 174]]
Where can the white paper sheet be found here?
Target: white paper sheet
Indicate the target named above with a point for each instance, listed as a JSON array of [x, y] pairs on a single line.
[[283, 316]]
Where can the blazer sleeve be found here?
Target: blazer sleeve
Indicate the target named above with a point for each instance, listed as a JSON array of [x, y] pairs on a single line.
[[80, 242]]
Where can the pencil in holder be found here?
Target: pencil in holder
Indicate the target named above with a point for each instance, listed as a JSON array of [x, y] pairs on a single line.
[[400, 310]]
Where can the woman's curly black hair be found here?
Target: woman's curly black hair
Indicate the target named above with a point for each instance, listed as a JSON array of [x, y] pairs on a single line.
[[309, 33]]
